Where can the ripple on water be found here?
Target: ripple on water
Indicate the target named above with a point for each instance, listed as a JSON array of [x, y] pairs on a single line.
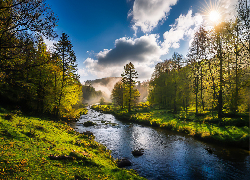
[[167, 155]]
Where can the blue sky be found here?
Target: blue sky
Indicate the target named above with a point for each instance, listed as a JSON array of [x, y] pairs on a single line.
[[107, 34]]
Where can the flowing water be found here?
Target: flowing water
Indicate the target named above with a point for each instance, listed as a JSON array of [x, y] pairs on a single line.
[[167, 154]]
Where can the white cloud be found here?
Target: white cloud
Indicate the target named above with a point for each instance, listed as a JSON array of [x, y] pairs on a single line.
[[102, 54], [147, 14], [185, 26], [100, 71], [82, 72], [143, 52], [49, 43]]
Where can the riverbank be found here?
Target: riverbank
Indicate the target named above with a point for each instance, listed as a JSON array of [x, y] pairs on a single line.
[[35, 148], [228, 131]]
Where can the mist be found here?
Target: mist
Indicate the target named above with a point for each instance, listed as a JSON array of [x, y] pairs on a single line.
[[105, 86], [96, 89]]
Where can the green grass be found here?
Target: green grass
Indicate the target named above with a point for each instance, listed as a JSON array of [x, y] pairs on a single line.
[[232, 131], [27, 142]]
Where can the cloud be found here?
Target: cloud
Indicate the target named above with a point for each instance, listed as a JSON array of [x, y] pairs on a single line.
[[82, 72], [50, 43], [147, 14], [185, 26], [100, 71], [144, 50], [144, 70]]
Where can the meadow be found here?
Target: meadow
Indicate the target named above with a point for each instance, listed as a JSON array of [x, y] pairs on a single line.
[[39, 148]]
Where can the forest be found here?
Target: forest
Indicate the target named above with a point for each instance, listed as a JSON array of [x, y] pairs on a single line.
[[213, 77], [33, 78]]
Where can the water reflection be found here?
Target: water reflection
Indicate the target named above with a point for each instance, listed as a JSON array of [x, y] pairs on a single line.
[[167, 155]]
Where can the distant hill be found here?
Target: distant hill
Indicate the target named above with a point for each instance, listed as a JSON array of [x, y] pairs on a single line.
[[103, 81], [105, 85]]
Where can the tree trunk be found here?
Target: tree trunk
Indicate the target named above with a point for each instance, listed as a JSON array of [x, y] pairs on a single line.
[[196, 95]]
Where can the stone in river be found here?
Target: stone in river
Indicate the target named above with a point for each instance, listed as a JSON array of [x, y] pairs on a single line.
[[89, 123], [123, 162], [137, 152]]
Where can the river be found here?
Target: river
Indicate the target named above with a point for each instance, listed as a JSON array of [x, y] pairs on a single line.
[[167, 154]]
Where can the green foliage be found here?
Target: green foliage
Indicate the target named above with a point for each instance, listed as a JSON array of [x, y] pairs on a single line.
[[37, 87], [70, 87], [117, 94], [27, 144], [102, 101], [130, 94], [214, 77]]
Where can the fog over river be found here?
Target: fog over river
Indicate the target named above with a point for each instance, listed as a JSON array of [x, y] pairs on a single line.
[[167, 154]]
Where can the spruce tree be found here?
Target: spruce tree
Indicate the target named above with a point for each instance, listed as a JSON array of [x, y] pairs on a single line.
[[129, 77]]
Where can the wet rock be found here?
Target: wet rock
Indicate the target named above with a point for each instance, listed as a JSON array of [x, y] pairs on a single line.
[[209, 150], [123, 162], [138, 152], [88, 133], [89, 123]]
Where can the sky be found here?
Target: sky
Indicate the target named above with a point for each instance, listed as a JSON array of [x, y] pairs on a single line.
[[108, 34]]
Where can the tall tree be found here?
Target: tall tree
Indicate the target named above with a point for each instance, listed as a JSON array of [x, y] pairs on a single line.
[[129, 77], [64, 50]]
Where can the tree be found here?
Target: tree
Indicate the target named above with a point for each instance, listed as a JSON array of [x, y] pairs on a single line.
[[65, 52], [22, 24], [102, 101], [117, 94], [198, 57], [22, 20], [128, 78]]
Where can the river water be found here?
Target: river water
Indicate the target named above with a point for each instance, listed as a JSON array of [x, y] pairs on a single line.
[[167, 154]]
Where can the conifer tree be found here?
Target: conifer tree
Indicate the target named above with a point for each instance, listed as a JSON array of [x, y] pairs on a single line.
[[129, 77], [65, 52]]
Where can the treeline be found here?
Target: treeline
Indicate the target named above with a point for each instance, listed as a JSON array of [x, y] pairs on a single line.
[[215, 76], [31, 77]]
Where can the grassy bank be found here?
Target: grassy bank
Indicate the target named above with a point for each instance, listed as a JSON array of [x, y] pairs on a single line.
[[231, 130], [34, 148]]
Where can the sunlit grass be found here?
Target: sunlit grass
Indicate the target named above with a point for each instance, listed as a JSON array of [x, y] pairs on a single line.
[[27, 142]]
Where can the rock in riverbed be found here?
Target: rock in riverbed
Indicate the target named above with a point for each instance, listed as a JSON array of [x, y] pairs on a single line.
[[89, 123], [88, 133], [209, 150], [123, 162], [138, 152]]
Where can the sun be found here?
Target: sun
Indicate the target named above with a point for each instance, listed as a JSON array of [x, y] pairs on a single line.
[[214, 16], [212, 12]]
